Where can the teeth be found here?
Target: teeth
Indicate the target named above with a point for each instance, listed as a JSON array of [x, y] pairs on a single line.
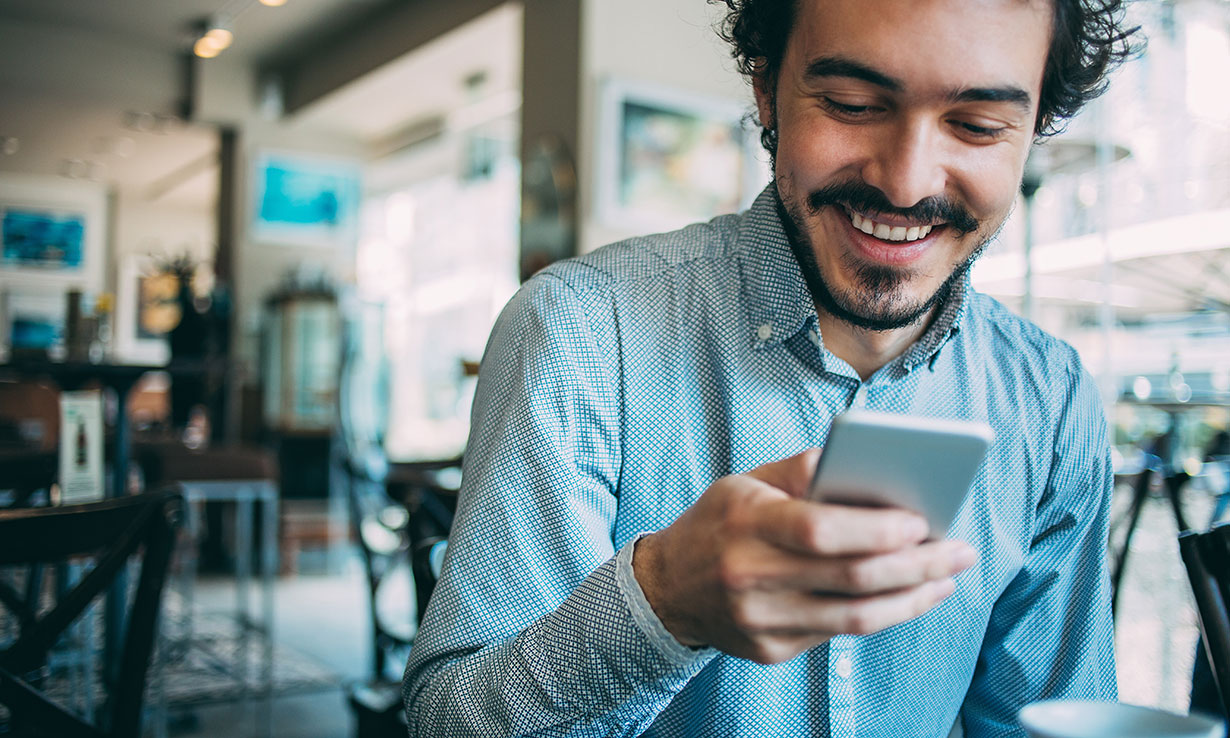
[[889, 233], [861, 223]]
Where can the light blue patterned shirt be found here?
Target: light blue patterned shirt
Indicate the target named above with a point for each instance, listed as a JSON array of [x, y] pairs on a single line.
[[617, 386]]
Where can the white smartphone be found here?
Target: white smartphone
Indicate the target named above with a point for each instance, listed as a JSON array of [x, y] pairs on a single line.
[[882, 460]]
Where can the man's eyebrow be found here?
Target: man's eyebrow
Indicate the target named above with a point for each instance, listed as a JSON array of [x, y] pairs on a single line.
[[836, 66], [1009, 94]]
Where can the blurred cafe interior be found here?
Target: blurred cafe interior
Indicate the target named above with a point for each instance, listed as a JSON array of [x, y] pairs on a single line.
[[252, 252]]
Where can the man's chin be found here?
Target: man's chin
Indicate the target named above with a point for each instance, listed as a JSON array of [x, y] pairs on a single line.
[[883, 298], [894, 315]]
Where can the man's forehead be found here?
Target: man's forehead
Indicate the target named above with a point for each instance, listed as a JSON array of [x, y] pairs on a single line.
[[810, 14], [973, 5], [984, 41]]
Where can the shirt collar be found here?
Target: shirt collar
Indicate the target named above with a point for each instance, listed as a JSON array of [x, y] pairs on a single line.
[[777, 299], [945, 326], [779, 305]]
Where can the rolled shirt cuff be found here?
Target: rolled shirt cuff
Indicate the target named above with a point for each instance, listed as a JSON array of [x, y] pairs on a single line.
[[647, 620]]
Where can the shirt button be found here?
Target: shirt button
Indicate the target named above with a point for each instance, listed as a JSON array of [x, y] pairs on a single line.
[[860, 397], [764, 332], [843, 666]]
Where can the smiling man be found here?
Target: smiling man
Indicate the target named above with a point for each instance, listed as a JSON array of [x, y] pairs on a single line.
[[631, 554]]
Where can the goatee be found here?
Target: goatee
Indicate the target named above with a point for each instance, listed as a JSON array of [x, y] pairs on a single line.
[[877, 302]]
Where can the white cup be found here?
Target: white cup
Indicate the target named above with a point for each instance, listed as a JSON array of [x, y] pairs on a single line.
[[1087, 719]]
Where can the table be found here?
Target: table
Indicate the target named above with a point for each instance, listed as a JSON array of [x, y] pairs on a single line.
[[245, 494], [120, 378]]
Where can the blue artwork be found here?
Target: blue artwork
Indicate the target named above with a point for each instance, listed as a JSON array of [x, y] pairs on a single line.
[[298, 196], [33, 332], [40, 239]]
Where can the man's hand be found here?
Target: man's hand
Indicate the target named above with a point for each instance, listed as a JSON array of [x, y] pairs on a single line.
[[758, 572]]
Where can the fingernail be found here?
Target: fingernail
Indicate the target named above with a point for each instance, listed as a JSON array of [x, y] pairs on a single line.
[[943, 588], [916, 528], [963, 556]]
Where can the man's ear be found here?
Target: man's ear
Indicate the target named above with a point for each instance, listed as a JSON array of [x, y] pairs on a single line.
[[766, 96]]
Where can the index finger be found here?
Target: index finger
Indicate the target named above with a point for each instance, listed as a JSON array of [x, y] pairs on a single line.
[[826, 529]]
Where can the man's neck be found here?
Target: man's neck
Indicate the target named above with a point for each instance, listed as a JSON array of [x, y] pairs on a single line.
[[865, 350]]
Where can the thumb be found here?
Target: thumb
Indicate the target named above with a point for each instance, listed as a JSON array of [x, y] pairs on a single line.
[[792, 475]]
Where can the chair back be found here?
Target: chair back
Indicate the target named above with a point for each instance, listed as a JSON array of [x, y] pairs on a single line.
[[431, 517], [1206, 556], [26, 471], [29, 415], [110, 532]]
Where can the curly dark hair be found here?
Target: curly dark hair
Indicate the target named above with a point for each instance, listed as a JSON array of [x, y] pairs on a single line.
[[1088, 40]]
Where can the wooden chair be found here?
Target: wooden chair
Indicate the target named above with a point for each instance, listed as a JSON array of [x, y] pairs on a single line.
[[111, 532], [400, 518], [1206, 557], [379, 526], [26, 472]]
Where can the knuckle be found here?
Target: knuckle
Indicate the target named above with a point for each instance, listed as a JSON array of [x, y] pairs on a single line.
[[859, 576], [743, 616], [733, 574], [817, 532], [885, 537], [737, 516]]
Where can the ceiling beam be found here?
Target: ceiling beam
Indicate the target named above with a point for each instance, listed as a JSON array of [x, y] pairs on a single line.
[[353, 49]]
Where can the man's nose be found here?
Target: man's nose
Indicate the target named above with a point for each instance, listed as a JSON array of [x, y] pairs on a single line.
[[907, 163]]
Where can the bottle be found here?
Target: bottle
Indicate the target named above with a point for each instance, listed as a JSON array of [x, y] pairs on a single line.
[[82, 449]]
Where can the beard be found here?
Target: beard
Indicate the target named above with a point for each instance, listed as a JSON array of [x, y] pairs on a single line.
[[878, 301]]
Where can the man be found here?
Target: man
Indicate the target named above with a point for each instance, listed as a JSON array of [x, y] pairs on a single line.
[[631, 555]]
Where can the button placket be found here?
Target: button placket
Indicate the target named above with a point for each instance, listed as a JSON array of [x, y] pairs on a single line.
[[860, 397], [843, 666]]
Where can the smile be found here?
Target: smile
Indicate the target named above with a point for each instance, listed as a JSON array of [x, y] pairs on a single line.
[[886, 232]]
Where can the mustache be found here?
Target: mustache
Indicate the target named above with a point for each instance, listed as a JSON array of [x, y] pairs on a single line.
[[863, 197]]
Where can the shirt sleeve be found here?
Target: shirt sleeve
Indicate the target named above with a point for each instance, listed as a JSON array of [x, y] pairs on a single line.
[[1051, 635], [536, 627]]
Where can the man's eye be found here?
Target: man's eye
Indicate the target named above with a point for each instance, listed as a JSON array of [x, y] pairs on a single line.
[[978, 131], [853, 111]]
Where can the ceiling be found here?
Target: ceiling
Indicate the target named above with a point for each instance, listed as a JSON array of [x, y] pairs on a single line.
[[474, 69], [260, 32], [158, 158]]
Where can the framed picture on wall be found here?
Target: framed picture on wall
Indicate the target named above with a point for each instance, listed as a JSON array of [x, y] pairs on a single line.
[[51, 233], [32, 322], [146, 308], [667, 158], [305, 200]]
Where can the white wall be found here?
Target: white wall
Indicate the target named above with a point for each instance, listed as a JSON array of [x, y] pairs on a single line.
[[228, 94], [667, 42], [160, 229]]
